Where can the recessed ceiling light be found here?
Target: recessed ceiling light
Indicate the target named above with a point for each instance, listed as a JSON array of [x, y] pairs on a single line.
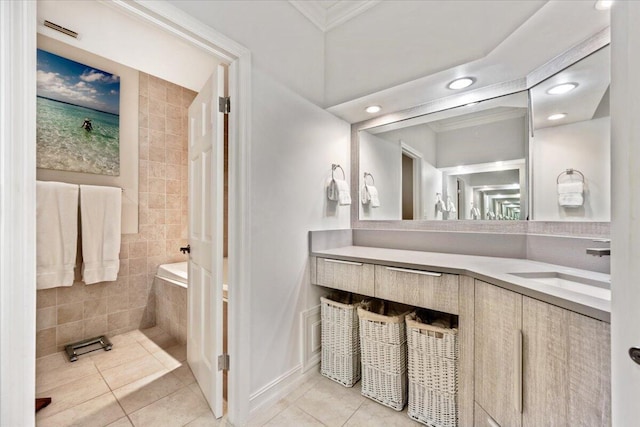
[[604, 4], [557, 116], [372, 109], [562, 88], [461, 83]]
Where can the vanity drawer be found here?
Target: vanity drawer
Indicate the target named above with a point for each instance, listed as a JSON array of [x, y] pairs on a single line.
[[345, 275], [437, 291]]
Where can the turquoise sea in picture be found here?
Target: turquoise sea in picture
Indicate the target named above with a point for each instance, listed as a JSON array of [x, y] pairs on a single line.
[[70, 147], [78, 117]]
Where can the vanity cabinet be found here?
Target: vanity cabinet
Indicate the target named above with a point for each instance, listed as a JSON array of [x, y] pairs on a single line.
[[437, 291], [356, 277], [498, 326], [537, 364], [566, 369]]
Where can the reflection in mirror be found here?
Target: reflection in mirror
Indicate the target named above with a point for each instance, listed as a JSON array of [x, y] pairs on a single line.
[[463, 163], [571, 132]]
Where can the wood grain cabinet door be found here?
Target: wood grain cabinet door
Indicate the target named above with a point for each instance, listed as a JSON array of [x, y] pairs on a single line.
[[498, 353], [345, 275], [566, 368]]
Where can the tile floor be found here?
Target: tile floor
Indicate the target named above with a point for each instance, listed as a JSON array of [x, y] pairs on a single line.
[[145, 381]]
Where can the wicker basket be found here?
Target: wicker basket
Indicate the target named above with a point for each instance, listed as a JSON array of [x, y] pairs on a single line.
[[433, 373], [340, 342], [384, 358]]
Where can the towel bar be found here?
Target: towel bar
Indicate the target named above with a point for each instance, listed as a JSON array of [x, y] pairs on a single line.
[[336, 166], [101, 342], [366, 174], [569, 172]]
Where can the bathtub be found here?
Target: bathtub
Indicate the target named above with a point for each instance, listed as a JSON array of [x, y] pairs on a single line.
[[178, 274], [172, 281]]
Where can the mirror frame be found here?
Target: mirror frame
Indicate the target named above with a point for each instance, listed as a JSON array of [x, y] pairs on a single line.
[[557, 64]]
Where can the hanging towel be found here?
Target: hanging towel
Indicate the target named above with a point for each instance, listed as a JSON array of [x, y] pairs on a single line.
[[373, 195], [370, 196], [100, 215], [56, 233], [338, 190], [451, 208], [571, 194]]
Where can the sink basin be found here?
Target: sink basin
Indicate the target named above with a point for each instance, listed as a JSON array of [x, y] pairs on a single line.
[[594, 288]]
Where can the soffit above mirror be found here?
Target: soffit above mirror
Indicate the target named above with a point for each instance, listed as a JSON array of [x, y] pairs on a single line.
[[548, 32]]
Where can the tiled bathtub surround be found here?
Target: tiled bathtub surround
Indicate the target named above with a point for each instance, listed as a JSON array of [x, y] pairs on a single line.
[[171, 309], [70, 314]]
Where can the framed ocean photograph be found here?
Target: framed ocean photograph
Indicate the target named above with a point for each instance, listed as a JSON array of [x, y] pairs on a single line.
[[78, 117]]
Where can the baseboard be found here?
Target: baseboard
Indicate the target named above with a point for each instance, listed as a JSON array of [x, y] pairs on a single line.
[[277, 389]]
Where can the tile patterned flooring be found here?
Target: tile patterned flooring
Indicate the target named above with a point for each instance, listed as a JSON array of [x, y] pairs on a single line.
[[145, 381]]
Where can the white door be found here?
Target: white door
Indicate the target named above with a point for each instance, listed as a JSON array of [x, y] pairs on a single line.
[[206, 174]]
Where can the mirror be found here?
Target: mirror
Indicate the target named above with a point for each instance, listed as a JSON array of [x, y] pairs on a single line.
[[468, 162], [570, 145]]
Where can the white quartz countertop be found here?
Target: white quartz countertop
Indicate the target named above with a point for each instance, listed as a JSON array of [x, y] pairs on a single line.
[[489, 269]]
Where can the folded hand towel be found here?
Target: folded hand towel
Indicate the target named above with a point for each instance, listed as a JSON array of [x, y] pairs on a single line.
[[338, 190], [571, 200], [570, 194], [571, 187], [365, 196], [56, 233], [373, 195], [100, 215]]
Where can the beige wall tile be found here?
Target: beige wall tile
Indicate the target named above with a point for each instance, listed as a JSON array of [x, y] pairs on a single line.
[[95, 308], [69, 294], [157, 123], [68, 313], [46, 338], [69, 333], [117, 303], [118, 321], [46, 318], [46, 298], [96, 326]]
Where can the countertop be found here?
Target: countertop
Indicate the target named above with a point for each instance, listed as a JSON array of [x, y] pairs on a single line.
[[489, 269]]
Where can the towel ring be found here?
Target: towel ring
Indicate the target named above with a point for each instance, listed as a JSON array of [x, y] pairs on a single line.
[[367, 174], [336, 166], [569, 172]]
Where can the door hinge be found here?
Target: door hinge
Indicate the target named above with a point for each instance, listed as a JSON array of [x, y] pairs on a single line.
[[223, 362], [224, 104]]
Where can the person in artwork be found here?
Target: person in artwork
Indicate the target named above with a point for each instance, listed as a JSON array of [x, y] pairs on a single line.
[[86, 125]]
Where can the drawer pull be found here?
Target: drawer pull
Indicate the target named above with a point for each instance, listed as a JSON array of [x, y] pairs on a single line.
[[339, 261], [406, 270], [492, 423]]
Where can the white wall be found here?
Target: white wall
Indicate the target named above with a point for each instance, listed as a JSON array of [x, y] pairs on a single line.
[[503, 140], [283, 43], [382, 159], [584, 146], [293, 147], [420, 137], [107, 32]]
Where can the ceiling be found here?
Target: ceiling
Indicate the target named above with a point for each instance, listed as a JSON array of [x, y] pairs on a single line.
[[410, 59]]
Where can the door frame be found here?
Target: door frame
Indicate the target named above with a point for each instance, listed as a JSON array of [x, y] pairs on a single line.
[[418, 204], [182, 25], [17, 198]]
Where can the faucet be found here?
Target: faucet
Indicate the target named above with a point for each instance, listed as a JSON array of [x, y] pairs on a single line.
[[600, 251]]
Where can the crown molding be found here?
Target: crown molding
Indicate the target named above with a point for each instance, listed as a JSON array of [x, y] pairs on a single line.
[[327, 18]]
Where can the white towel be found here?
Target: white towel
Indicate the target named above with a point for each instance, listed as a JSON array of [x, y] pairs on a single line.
[[374, 200], [56, 233], [571, 194], [338, 190], [100, 215], [451, 207]]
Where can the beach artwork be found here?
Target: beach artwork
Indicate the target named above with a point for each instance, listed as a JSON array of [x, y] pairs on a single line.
[[78, 117]]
